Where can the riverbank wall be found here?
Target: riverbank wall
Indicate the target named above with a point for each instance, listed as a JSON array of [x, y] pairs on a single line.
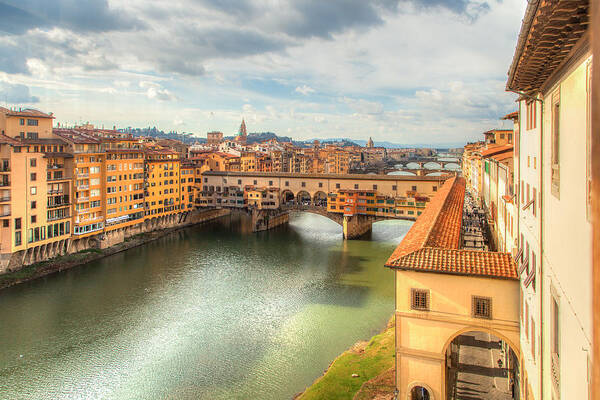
[[26, 266]]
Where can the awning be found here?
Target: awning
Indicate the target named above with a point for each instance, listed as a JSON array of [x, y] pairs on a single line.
[[530, 278]]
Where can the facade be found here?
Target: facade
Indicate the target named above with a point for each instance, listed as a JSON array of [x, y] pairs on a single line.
[[214, 138], [444, 292], [555, 230]]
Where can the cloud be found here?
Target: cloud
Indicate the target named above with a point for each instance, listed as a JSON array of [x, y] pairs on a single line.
[[155, 91], [76, 15], [305, 90], [361, 106], [16, 94]]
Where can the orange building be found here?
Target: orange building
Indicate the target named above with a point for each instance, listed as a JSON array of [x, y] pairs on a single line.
[[162, 196]]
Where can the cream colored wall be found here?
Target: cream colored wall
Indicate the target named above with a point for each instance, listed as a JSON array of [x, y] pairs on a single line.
[[423, 336], [567, 237], [529, 227]]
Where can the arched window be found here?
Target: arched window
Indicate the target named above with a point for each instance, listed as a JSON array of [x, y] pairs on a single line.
[[419, 393]]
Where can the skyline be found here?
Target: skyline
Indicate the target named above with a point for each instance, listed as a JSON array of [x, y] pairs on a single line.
[[204, 65]]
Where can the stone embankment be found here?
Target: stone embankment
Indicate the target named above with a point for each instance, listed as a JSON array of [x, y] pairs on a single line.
[[63, 262]]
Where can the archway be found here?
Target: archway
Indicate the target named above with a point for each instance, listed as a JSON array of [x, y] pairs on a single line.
[[303, 198], [452, 166], [481, 361], [320, 199], [432, 165], [419, 393], [287, 197]]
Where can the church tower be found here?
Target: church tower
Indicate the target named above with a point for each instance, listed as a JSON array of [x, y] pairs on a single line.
[[242, 134], [370, 144]]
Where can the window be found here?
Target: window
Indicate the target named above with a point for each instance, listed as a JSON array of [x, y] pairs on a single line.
[[32, 122], [33, 219], [303, 184], [18, 238], [394, 187], [33, 205], [33, 190], [270, 183], [255, 182], [435, 188], [337, 185], [17, 223], [33, 176], [531, 115], [482, 307], [32, 135], [555, 128], [374, 187], [22, 121], [32, 162], [414, 188], [419, 299], [356, 186], [320, 184]]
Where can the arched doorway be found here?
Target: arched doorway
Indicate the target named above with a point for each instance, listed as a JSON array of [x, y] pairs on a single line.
[[303, 198], [481, 363], [287, 197], [320, 199], [419, 393]]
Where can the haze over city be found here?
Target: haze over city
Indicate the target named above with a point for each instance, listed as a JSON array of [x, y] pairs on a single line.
[[409, 72]]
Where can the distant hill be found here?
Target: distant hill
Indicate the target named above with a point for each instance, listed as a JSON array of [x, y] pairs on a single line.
[[184, 137]]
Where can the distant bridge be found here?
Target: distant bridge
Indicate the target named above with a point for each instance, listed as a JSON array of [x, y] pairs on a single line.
[[308, 192]]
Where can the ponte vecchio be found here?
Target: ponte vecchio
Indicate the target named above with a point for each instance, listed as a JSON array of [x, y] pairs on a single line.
[[353, 201]]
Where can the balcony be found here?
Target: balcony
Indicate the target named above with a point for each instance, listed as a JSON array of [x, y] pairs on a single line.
[[54, 192], [4, 170], [58, 178], [83, 175], [83, 187], [4, 213], [4, 183], [4, 199], [57, 217], [82, 199], [55, 166]]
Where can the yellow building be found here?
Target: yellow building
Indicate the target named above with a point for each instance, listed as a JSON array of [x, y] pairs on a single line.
[[162, 195], [123, 191], [446, 296]]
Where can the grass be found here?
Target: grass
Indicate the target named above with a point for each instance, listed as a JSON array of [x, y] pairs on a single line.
[[368, 362]]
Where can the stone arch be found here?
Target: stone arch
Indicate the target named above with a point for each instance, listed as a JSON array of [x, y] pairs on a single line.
[[303, 196], [417, 384], [432, 165], [320, 199], [472, 328], [287, 196], [451, 163], [446, 355]]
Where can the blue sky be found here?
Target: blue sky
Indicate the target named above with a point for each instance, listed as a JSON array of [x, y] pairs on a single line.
[[404, 71]]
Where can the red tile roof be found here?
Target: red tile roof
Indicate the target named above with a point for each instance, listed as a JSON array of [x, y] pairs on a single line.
[[496, 150], [460, 262], [433, 243], [26, 112]]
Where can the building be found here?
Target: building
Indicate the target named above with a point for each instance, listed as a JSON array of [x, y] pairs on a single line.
[[555, 261], [445, 293], [162, 194], [214, 138]]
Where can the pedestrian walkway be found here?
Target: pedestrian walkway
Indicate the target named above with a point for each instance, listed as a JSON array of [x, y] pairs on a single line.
[[473, 226], [479, 376]]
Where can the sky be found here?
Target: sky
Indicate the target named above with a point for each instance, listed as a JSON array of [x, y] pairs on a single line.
[[403, 71]]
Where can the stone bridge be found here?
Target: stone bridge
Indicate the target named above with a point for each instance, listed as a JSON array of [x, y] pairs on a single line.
[[308, 192]]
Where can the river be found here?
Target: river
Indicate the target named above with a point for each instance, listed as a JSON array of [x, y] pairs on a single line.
[[210, 312]]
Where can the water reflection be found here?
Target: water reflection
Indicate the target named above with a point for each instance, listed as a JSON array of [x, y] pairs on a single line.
[[211, 312]]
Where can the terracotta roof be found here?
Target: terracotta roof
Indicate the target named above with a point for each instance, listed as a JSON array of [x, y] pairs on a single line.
[[490, 151], [503, 156], [460, 262], [8, 140], [512, 115], [76, 136], [433, 243], [26, 112]]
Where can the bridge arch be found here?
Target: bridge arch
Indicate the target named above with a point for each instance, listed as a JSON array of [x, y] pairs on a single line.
[[287, 196], [320, 199], [433, 165], [452, 165], [303, 197]]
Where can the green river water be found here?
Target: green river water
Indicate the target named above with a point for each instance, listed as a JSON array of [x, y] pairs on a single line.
[[210, 312]]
